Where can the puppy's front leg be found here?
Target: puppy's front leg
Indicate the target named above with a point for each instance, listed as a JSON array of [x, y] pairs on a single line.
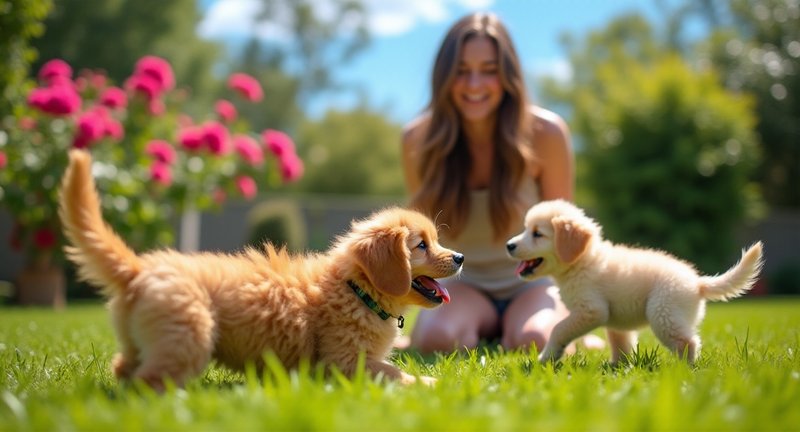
[[576, 324], [622, 343], [393, 373]]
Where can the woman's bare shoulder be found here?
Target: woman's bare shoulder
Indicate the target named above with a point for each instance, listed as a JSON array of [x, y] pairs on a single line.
[[549, 123], [415, 130]]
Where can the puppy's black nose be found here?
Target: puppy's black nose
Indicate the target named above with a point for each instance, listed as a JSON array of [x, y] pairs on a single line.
[[458, 258], [511, 246]]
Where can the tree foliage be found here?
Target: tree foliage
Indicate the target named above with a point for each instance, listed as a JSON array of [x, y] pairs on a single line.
[[324, 37], [355, 152], [20, 23], [756, 47], [113, 34], [281, 89], [295, 69], [667, 150]]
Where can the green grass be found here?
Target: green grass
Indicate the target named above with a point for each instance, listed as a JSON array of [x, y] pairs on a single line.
[[54, 376]]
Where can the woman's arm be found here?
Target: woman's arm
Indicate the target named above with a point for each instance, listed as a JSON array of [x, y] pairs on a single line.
[[553, 149]]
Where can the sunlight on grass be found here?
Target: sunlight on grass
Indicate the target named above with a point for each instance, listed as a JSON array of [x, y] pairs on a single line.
[[55, 376]]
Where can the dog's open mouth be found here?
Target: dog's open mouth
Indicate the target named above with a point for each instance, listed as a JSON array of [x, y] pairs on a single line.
[[526, 268], [430, 289]]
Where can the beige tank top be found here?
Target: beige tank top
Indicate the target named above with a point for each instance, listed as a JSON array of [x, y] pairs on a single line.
[[487, 266]]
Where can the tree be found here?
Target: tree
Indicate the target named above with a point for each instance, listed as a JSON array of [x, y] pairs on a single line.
[[113, 34], [355, 152], [282, 90], [20, 23], [667, 150], [755, 44], [296, 68], [324, 37]]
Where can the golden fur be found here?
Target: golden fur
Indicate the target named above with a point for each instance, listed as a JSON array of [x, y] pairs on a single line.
[[173, 313], [619, 287]]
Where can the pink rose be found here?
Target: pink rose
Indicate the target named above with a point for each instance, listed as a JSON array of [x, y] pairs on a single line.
[[3, 160], [58, 100], [248, 149], [114, 97], [277, 142], [225, 110], [191, 138], [144, 85], [215, 136], [158, 70], [160, 173], [161, 150], [291, 167], [114, 129], [91, 127], [53, 69], [247, 187], [247, 86]]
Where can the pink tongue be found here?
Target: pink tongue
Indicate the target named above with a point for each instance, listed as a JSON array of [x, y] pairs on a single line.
[[432, 285], [521, 266]]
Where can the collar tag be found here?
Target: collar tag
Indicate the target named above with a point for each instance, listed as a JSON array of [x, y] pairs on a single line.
[[373, 305]]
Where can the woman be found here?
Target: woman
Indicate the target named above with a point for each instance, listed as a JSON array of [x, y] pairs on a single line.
[[475, 161]]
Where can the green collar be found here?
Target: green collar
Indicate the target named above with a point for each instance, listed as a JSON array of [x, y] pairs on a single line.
[[372, 304]]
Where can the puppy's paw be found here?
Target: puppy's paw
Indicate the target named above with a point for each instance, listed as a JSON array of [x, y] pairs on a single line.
[[122, 367], [428, 381], [549, 355], [407, 379]]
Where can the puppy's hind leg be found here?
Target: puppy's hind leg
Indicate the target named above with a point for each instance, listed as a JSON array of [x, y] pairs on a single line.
[[621, 342], [179, 354], [684, 344], [175, 331], [126, 361], [674, 321]]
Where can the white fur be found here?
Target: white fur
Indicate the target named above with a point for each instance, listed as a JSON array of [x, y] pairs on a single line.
[[619, 287]]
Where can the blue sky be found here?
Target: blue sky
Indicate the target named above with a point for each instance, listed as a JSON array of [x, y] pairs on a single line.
[[394, 71]]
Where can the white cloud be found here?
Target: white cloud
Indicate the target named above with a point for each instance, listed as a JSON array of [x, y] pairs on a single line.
[[229, 18], [235, 19], [559, 69]]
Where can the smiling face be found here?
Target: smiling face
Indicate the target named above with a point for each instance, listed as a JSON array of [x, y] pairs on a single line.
[[477, 90]]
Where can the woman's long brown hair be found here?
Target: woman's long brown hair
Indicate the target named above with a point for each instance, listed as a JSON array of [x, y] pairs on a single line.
[[443, 157]]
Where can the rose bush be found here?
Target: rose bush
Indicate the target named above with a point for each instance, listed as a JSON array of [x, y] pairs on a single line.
[[152, 161]]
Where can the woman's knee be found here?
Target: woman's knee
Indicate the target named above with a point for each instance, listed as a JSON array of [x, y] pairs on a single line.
[[525, 339], [444, 338]]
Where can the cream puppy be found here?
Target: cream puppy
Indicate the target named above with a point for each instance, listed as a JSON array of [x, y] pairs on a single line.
[[621, 288]]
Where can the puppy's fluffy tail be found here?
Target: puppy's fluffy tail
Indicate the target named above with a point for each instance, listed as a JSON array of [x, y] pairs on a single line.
[[736, 281], [103, 258]]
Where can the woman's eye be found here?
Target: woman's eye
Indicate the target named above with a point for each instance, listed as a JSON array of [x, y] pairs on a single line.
[[422, 245], [536, 234]]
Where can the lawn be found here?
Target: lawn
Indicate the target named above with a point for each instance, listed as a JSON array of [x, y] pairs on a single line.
[[54, 376]]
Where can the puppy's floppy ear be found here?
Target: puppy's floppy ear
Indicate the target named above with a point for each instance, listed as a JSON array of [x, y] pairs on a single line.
[[384, 258], [571, 238]]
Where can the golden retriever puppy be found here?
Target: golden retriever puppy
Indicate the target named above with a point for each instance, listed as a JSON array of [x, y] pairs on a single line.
[[619, 287], [173, 313]]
